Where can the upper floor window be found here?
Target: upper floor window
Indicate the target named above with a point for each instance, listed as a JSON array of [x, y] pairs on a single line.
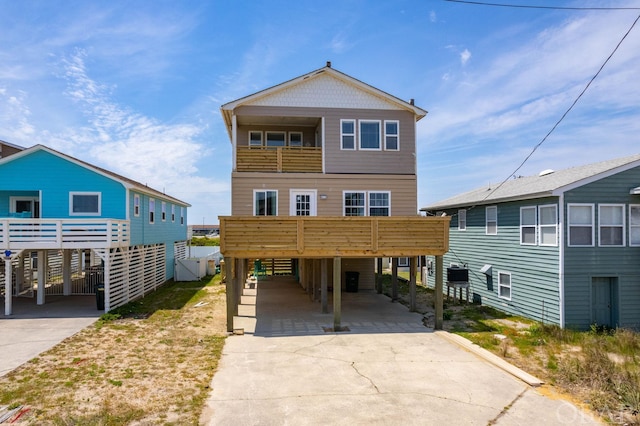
[[580, 223], [164, 211], [255, 138], [354, 203], [370, 134], [265, 203], [181, 215], [504, 285], [462, 220], [379, 204], [528, 222], [84, 203], [152, 210], [295, 138], [634, 225], [548, 224], [391, 135], [348, 134], [276, 138], [491, 222], [611, 225], [136, 205], [173, 212]]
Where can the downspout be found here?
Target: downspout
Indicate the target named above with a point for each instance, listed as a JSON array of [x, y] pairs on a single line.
[[561, 258]]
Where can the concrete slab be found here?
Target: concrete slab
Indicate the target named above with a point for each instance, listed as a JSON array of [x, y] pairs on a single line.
[[388, 369], [33, 329]]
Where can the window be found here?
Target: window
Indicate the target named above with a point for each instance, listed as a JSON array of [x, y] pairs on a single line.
[[181, 215], [634, 225], [276, 138], [379, 204], [84, 203], [491, 213], [265, 203], [528, 223], [462, 220], [391, 137], [354, 203], [152, 210], [136, 205], [548, 222], [164, 211], [611, 225], [295, 138], [348, 134], [580, 218], [403, 262], [504, 285], [173, 212], [370, 134], [255, 138]]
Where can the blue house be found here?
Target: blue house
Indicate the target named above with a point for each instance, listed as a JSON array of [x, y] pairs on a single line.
[[562, 247], [67, 226]]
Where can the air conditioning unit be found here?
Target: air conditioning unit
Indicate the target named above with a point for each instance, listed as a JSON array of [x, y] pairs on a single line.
[[457, 275]]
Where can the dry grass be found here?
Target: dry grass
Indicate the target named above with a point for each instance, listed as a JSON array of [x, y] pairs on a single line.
[[149, 362]]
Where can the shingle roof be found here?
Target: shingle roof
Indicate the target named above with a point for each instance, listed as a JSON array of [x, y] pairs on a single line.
[[537, 186]]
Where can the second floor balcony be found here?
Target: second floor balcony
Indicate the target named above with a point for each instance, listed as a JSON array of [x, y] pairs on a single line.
[[283, 159]]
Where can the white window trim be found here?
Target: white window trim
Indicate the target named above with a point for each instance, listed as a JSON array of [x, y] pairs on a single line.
[[261, 138], [173, 212], [500, 285], [181, 215], [136, 207], [486, 219], [164, 211], [462, 219], [397, 135], [265, 190], [380, 133], [355, 125], [403, 262], [534, 225], [569, 206], [288, 142], [72, 213], [152, 210], [359, 191], [368, 202], [540, 225], [631, 226], [266, 138], [623, 226]]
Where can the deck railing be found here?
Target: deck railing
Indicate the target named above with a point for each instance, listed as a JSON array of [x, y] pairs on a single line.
[[63, 233], [279, 159], [289, 236]]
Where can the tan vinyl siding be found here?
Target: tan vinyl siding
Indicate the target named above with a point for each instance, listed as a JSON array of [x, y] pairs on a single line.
[[403, 190]]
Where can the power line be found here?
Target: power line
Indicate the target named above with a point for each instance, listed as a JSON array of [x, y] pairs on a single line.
[[523, 6]]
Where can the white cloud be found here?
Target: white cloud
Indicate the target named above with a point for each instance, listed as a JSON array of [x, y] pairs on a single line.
[[465, 55]]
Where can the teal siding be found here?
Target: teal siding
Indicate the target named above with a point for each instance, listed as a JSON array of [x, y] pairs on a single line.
[[620, 263], [534, 269]]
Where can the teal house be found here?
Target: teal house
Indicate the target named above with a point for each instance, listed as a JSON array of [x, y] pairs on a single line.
[[70, 228], [561, 247]]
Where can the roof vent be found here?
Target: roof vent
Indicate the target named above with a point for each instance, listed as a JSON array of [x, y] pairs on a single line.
[[546, 172]]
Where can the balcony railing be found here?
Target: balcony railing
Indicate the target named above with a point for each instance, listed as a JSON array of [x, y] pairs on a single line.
[[279, 159], [290, 236], [63, 233]]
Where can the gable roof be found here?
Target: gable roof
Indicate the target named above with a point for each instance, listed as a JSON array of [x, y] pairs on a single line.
[[307, 79], [551, 183], [126, 182]]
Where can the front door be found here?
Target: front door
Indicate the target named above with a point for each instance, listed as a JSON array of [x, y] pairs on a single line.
[[602, 302], [303, 202]]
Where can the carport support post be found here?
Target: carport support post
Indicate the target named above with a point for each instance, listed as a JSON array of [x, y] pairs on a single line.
[[337, 292], [230, 284], [438, 293], [42, 267], [323, 285], [379, 276], [394, 279], [8, 293], [412, 284], [66, 272]]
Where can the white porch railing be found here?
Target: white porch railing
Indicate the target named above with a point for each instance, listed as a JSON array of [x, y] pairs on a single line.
[[63, 233]]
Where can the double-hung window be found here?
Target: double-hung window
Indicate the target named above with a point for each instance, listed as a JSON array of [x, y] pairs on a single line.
[[491, 216], [136, 205], [295, 139], [379, 204], [634, 225], [528, 228], [84, 203], [462, 220], [276, 138], [164, 211], [548, 225], [504, 285], [348, 134], [362, 203], [152, 210], [580, 222], [255, 138], [181, 215], [265, 203], [391, 135], [611, 225], [173, 212], [354, 203], [370, 135]]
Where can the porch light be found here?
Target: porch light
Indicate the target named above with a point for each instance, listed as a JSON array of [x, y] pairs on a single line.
[[323, 196]]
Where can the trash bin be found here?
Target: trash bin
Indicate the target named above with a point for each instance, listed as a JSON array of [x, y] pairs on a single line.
[[352, 281], [100, 296]]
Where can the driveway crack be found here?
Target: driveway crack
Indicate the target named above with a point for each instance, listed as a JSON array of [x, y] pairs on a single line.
[[506, 408], [353, 365]]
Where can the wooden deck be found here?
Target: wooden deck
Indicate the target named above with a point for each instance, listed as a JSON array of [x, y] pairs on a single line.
[[324, 237], [279, 159]]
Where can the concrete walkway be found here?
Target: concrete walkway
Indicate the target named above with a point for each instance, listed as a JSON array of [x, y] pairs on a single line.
[[387, 370], [33, 329]]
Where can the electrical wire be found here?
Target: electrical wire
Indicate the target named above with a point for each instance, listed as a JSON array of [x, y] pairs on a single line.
[[524, 6]]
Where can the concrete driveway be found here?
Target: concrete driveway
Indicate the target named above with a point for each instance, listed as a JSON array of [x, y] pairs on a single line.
[[33, 329], [387, 370]]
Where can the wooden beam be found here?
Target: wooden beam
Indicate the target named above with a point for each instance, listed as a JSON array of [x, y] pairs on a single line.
[[337, 293], [324, 265], [230, 287], [379, 276], [412, 284], [439, 308], [394, 279]]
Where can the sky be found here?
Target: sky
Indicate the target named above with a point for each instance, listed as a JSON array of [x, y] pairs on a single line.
[[136, 86]]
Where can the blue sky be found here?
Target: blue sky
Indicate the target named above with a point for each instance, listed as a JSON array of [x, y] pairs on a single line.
[[136, 86]]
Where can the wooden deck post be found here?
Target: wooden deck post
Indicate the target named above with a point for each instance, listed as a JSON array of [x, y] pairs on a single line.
[[379, 276], [66, 272], [438, 293], [412, 283], [230, 286], [337, 292], [42, 277], [323, 285], [394, 279], [8, 291]]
